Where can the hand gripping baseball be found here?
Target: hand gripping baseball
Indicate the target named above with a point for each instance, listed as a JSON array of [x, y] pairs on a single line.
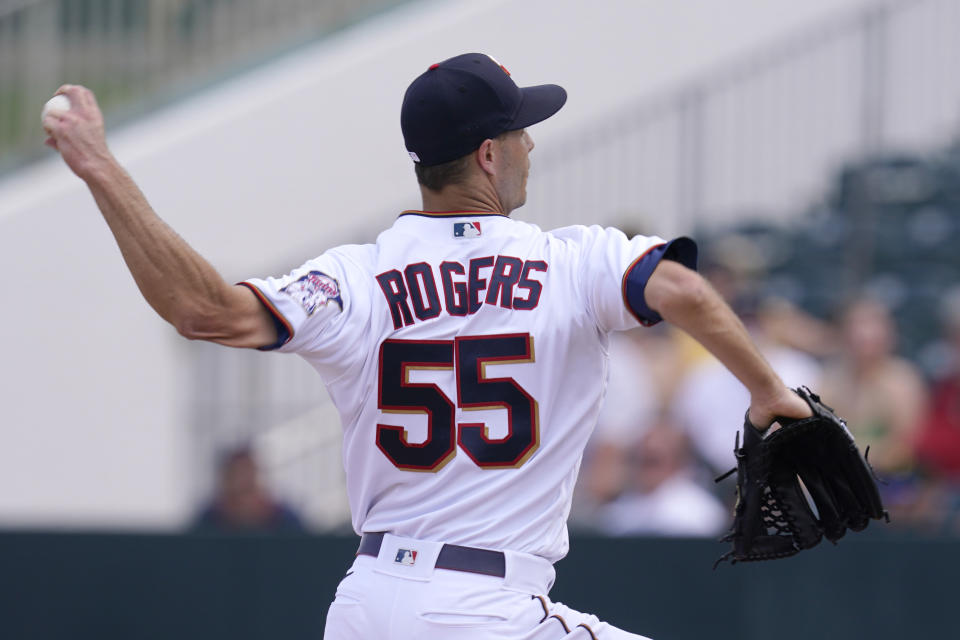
[[816, 455], [78, 133]]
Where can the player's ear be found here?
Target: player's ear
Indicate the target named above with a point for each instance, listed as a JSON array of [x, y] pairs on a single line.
[[485, 156]]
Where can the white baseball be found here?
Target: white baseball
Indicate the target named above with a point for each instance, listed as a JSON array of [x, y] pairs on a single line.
[[57, 104]]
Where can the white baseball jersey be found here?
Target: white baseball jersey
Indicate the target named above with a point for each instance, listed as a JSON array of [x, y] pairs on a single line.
[[466, 354]]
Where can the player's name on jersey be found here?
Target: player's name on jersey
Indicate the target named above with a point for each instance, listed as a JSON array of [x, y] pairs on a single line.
[[412, 293]]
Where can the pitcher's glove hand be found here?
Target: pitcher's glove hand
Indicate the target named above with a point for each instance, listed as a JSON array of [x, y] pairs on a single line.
[[773, 518]]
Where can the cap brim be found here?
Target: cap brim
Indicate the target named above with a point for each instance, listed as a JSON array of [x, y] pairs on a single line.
[[537, 104]]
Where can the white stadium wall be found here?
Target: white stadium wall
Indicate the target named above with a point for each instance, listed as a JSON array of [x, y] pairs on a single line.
[[260, 173]]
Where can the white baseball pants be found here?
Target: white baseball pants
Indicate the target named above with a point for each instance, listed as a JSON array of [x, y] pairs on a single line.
[[399, 595]]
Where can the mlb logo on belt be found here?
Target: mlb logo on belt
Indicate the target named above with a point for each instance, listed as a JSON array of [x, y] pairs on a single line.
[[406, 556], [466, 229]]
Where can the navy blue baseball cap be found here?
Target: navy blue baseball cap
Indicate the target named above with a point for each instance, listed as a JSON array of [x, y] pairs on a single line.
[[450, 109]]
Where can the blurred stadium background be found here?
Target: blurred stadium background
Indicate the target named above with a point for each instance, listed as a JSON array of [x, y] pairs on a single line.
[[810, 147]]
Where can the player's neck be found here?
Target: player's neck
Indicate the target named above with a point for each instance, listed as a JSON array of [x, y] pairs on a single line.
[[462, 197]]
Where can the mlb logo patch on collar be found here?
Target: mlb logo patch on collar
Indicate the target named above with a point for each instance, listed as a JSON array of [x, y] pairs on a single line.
[[406, 556], [466, 229]]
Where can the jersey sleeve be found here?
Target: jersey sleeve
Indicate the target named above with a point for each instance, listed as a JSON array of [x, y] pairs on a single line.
[[615, 270], [310, 306]]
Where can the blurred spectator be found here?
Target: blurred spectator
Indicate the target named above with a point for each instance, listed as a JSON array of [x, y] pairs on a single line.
[[242, 503], [881, 395], [604, 477], [883, 398], [938, 445], [663, 497], [938, 442], [644, 367]]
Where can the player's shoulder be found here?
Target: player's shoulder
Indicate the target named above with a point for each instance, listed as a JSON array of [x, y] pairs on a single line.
[[352, 256], [581, 232], [586, 239]]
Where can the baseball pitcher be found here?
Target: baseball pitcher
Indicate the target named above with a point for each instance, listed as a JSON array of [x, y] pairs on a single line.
[[466, 352]]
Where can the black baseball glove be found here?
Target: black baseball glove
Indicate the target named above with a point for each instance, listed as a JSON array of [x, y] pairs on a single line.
[[779, 469]]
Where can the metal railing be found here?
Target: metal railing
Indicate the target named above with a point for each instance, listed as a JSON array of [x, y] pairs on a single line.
[[137, 52], [762, 137]]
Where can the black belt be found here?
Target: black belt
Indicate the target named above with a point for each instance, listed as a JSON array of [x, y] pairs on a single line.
[[452, 557]]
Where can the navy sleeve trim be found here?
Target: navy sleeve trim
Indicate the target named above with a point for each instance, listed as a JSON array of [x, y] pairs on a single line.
[[682, 250], [284, 330]]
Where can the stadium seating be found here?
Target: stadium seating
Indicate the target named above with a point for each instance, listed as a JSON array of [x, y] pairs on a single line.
[[891, 229]]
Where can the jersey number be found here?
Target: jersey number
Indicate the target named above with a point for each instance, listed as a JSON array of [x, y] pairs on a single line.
[[468, 356]]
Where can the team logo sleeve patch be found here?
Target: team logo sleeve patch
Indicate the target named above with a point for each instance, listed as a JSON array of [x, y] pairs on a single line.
[[313, 291]]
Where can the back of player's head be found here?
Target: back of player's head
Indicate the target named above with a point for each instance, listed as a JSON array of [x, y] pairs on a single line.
[[451, 108]]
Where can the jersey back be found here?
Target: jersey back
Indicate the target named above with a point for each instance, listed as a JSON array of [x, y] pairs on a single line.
[[466, 355]]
